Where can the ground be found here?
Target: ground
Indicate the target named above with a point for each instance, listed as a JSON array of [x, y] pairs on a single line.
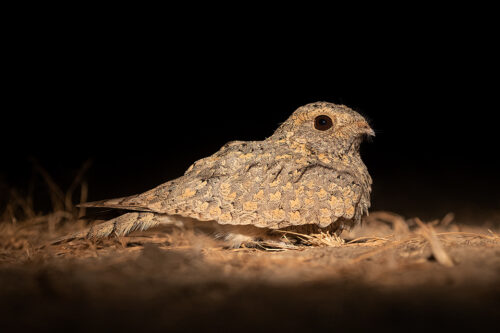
[[391, 273]]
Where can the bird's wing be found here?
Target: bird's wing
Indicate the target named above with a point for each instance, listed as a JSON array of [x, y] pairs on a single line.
[[267, 186], [197, 183], [260, 184], [281, 191]]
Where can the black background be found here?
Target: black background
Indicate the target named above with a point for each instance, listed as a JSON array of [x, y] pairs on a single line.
[[145, 91], [145, 105]]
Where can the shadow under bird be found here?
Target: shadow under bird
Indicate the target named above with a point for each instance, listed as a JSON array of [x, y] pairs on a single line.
[[307, 177]]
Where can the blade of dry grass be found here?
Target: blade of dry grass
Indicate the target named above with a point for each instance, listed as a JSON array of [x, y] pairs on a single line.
[[320, 239], [77, 181], [494, 235], [447, 219], [55, 192], [367, 239], [84, 192], [467, 234], [372, 253], [397, 221], [437, 248]]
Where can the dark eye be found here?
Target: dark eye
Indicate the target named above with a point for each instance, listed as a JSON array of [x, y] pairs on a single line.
[[323, 123]]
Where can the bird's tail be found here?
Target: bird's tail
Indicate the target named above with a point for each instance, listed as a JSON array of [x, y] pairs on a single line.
[[119, 226]]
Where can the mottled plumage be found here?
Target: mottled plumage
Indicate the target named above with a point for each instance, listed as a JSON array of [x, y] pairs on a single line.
[[307, 175]]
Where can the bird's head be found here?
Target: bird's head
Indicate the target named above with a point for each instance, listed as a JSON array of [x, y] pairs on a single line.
[[325, 127]]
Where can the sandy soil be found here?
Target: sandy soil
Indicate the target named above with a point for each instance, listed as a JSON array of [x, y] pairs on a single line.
[[392, 274]]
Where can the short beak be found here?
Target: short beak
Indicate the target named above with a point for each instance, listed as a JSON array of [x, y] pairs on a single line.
[[370, 132], [365, 128]]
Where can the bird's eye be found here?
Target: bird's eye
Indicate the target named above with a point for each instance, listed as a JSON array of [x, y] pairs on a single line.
[[323, 123]]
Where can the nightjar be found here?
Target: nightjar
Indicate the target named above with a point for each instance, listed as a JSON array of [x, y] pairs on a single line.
[[307, 177]]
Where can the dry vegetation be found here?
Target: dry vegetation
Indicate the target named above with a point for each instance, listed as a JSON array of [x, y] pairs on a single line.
[[391, 272]]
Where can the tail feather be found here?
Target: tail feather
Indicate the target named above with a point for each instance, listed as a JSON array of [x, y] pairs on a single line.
[[127, 203], [120, 226]]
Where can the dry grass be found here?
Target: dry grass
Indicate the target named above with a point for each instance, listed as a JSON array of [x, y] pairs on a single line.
[[386, 243], [389, 270]]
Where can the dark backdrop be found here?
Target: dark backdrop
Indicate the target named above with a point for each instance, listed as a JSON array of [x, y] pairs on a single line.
[[145, 109]]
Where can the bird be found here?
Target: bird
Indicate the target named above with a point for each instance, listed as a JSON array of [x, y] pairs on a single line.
[[307, 177]]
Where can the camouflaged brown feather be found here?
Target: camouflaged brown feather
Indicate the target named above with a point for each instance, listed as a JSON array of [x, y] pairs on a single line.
[[309, 172]]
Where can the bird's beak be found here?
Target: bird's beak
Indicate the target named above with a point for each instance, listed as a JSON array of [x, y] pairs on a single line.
[[370, 132], [364, 128]]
